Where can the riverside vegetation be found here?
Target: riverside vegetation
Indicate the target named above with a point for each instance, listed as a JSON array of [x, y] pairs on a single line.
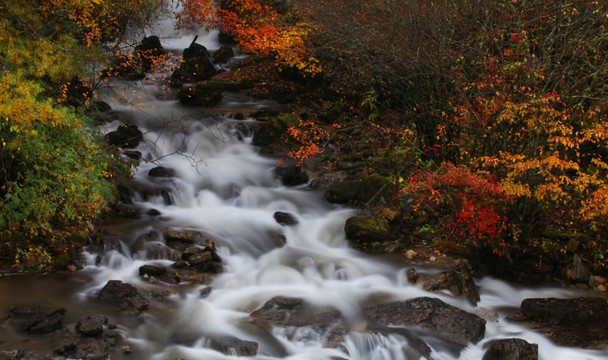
[[474, 127]]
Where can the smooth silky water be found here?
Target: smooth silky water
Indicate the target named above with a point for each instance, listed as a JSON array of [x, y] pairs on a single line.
[[225, 188]]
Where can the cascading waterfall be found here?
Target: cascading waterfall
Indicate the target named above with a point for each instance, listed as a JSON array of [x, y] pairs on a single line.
[[224, 188]]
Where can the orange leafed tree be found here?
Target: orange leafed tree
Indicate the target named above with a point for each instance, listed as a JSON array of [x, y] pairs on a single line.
[[256, 27]]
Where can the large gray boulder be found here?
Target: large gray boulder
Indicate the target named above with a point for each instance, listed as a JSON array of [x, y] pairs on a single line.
[[442, 320]]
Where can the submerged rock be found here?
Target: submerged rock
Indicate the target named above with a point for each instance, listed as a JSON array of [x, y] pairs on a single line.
[[35, 319], [230, 345], [90, 326]]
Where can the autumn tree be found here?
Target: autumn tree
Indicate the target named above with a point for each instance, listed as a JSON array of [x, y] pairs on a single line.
[[257, 27], [55, 172]]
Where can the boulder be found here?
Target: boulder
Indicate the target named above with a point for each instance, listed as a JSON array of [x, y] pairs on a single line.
[[284, 218], [148, 49], [582, 310], [443, 320], [223, 55], [125, 136], [510, 349], [206, 93], [196, 66], [125, 295], [581, 322]]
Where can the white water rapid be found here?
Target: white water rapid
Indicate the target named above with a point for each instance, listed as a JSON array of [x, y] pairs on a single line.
[[224, 188]]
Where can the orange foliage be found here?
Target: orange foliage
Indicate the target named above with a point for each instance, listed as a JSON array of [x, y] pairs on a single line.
[[256, 27]]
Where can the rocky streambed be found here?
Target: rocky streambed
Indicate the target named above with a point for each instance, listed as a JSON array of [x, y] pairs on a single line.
[[226, 255]]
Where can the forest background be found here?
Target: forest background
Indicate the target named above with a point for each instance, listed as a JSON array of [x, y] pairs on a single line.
[[485, 122]]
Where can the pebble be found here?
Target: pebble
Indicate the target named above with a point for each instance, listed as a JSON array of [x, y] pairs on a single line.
[[601, 288], [432, 258], [410, 254]]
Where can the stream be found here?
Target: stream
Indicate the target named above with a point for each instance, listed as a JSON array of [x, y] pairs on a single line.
[[224, 188]]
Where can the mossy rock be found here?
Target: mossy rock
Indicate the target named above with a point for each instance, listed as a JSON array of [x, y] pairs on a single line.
[[206, 93], [367, 232], [270, 132], [370, 188]]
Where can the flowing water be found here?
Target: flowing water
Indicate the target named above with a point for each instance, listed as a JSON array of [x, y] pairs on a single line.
[[224, 188]]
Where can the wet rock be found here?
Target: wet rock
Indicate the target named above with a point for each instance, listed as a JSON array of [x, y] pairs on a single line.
[[366, 232], [161, 172], [153, 212], [223, 55], [125, 295], [202, 259], [581, 322], [291, 175], [279, 240], [153, 247], [286, 311], [510, 349], [232, 346], [205, 93], [125, 136], [443, 320], [458, 281], [152, 270], [90, 326], [296, 317], [284, 218], [35, 319], [181, 240]]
